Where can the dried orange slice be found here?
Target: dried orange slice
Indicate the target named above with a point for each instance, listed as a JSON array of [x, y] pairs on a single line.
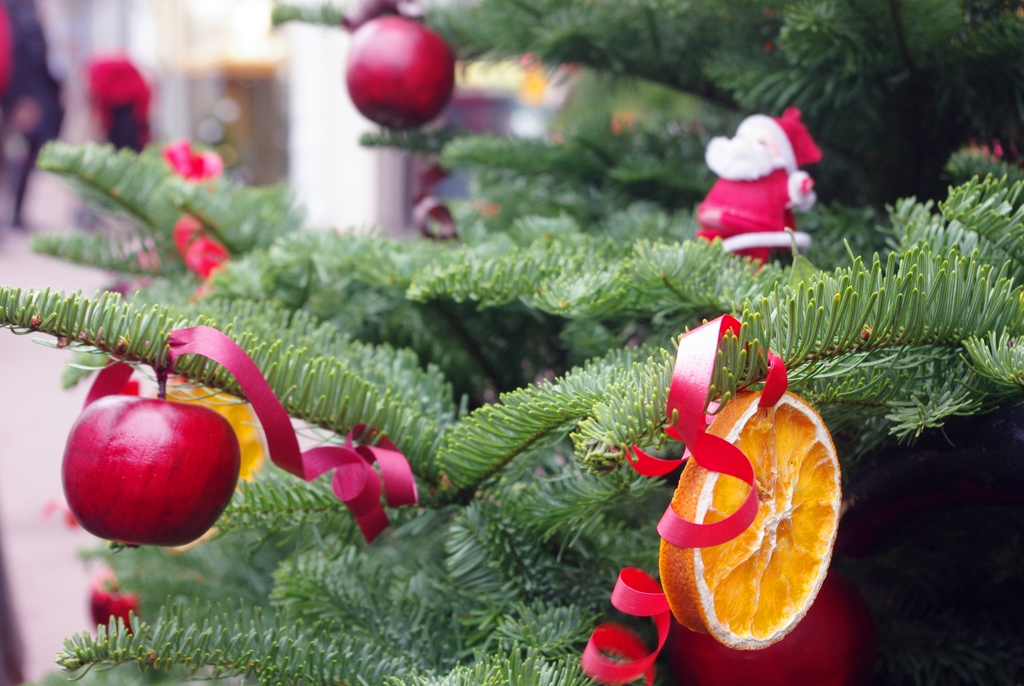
[[751, 591]]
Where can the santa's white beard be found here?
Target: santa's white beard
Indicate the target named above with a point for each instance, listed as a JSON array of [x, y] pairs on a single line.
[[738, 159]]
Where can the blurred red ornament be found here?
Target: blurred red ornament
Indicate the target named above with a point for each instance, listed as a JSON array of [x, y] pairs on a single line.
[[205, 255], [201, 253], [116, 83], [56, 505], [400, 73], [834, 645], [107, 601], [186, 229], [194, 166], [6, 49]]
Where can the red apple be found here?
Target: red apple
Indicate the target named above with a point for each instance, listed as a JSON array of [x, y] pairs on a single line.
[[149, 472], [400, 73], [108, 601], [834, 645]]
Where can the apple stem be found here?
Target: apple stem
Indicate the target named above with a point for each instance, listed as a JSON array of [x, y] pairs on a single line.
[[161, 381]]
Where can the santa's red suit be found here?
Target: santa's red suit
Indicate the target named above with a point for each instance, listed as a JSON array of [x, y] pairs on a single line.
[[760, 183]]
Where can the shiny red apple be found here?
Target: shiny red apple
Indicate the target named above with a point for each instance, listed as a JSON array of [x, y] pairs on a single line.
[[834, 645], [400, 73], [107, 601], [149, 472]]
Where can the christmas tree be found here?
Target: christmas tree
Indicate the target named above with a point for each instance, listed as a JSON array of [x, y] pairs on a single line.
[[516, 367]]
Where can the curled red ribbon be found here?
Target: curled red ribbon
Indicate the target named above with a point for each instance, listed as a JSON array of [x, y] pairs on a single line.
[[691, 380], [355, 482], [639, 594], [636, 593]]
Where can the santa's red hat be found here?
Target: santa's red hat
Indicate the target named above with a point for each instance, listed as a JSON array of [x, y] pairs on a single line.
[[789, 133]]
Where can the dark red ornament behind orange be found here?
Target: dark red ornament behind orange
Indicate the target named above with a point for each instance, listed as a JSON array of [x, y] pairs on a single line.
[[834, 645], [400, 73], [149, 472]]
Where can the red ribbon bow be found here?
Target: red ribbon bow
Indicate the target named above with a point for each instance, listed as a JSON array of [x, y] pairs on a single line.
[[355, 482], [691, 381]]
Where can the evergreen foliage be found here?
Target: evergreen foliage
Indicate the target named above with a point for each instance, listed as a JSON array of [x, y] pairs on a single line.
[[654, 161], [514, 367], [514, 524], [965, 164]]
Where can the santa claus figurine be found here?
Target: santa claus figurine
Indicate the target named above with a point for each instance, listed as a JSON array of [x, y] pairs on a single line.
[[759, 185]]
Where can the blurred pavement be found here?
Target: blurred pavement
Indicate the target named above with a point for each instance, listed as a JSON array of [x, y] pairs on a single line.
[[49, 582]]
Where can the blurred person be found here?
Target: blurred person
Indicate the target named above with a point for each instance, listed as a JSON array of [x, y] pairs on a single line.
[[32, 105], [120, 99], [10, 640]]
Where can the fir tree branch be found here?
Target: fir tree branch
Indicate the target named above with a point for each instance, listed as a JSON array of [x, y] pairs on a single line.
[[479, 445], [318, 375], [232, 642], [583, 277], [415, 140], [277, 503], [119, 181], [919, 299], [348, 594], [998, 358], [122, 254], [984, 216], [966, 164], [514, 670], [901, 37], [242, 217], [326, 13]]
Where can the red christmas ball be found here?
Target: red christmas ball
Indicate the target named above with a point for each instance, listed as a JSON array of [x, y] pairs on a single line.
[[149, 472], [204, 255], [186, 230], [107, 601], [400, 73], [834, 645]]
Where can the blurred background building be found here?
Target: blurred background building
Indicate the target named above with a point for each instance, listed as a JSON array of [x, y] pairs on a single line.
[[272, 101]]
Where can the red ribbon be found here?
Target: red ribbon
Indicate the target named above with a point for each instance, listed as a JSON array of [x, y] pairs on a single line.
[[355, 482], [636, 593], [691, 381], [109, 381]]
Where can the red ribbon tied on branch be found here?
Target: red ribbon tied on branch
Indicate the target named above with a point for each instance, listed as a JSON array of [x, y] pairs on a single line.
[[355, 482], [691, 381]]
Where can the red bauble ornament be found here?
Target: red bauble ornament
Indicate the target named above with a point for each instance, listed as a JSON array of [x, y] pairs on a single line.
[[149, 472], [400, 73], [834, 645], [186, 229], [204, 255], [107, 601]]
